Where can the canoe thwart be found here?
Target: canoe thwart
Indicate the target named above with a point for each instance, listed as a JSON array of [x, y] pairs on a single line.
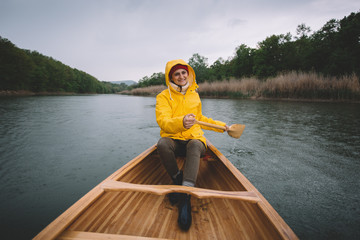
[[117, 186]]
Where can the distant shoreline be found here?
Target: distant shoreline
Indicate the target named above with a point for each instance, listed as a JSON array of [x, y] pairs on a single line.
[[301, 100], [23, 93], [318, 100]]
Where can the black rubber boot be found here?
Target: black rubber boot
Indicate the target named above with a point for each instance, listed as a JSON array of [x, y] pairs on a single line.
[[174, 197], [184, 218]]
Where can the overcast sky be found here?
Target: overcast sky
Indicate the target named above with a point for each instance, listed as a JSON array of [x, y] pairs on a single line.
[[129, 39]]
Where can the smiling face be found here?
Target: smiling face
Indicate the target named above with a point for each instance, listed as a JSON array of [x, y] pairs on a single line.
[[180, 77]]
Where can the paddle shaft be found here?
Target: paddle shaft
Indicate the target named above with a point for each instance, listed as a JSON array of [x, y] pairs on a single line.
[[210, 125]]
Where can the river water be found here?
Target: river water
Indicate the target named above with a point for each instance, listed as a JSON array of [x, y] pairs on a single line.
[[303, 157]]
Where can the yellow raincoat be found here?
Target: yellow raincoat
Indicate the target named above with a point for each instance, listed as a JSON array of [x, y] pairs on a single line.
[[172, 106]]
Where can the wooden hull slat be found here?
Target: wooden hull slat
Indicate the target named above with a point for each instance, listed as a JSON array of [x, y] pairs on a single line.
[[75, 235]]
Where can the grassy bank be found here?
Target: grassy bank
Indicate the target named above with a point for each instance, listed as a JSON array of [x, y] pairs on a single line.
[[292, 85]]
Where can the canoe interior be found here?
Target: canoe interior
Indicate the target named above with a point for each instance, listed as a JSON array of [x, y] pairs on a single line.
[[147, 215]]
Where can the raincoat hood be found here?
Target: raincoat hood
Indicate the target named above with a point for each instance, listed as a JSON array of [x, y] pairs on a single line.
[[191, 77]]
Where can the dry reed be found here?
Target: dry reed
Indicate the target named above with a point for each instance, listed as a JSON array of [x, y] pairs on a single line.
[[146, 91], [311, 86], [246, 87], [291, 85]]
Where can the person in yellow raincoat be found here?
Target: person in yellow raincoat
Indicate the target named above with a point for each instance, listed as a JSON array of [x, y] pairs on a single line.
[[177, 107]]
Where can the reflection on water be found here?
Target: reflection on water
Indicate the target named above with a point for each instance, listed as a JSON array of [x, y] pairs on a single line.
[[303, 157]]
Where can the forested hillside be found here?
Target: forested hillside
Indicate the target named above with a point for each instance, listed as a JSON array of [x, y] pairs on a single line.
[[31, 71], [332, 51]]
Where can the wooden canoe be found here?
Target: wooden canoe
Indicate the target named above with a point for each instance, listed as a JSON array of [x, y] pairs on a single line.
[[132, 204]]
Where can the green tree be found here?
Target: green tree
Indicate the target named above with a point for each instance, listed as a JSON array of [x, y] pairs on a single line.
[[267, 57], [273, 55], [323, 44], [157, 79], [302, 48], [14, 67], [200, 66], [154, 79], [346, 58], [243, 61], [302, 31], [217, 70]]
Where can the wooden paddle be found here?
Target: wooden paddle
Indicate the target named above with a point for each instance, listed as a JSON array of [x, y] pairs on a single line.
[[234, 130]]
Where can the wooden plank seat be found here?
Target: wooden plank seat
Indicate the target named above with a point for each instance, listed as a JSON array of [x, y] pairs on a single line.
[[117, 186]]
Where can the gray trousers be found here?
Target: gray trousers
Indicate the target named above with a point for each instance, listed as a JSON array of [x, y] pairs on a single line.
[[169, 148]]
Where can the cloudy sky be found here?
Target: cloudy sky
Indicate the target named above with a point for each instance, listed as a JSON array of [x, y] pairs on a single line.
[[129, 39]]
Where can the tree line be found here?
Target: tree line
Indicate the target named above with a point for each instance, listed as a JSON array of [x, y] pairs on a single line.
[[334, 50], [31, 71]]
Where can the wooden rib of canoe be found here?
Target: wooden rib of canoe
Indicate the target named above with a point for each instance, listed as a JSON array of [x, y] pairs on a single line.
[[132, 204]]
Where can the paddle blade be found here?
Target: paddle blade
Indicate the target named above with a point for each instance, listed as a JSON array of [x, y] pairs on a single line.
[[236, 130]]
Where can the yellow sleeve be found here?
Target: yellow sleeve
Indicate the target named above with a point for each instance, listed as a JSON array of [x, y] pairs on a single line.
[[164, 117]]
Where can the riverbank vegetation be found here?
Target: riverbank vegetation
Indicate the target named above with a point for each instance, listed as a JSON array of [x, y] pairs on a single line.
[[324, 64], [286, 86], [292, 85], [29, 72]]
